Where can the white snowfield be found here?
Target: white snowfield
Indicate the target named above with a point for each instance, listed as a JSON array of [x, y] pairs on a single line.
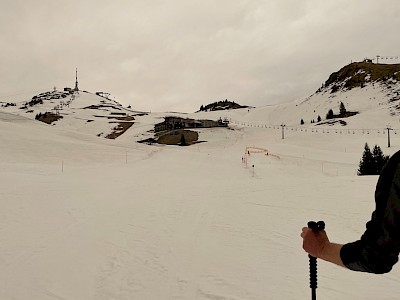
[[83, 217]]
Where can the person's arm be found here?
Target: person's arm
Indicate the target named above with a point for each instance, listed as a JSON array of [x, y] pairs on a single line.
[[331, 253], [318, 245], [378, 249]]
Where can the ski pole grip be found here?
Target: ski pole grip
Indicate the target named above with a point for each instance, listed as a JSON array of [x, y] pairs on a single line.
[[316, 226]]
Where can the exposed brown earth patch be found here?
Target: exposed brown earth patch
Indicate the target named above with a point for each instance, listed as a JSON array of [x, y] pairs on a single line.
[[175, 137], [119, 130]]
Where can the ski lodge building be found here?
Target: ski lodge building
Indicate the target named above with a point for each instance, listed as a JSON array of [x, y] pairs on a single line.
[[172, 123]]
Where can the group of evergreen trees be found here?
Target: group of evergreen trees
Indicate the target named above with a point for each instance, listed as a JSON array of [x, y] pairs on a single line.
[[372, 163], [343, 113], [312, 121], [40, 116], [221, 105]]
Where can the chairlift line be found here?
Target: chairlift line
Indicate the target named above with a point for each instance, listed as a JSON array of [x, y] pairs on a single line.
[[385, 58], [283, 127]]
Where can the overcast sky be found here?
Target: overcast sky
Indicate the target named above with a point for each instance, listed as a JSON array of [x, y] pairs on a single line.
[[176, 55]]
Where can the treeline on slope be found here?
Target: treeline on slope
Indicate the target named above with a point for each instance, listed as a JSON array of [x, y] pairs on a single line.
[[343, 113], [221, 105], [372, 163], [47, 117]]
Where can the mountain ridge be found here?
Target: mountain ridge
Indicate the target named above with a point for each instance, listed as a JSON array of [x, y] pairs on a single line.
[[370, 89], [358, 74]]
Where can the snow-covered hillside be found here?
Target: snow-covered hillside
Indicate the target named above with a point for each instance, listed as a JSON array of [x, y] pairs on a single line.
[[84, 217], [82, 111], [371, 91], [376, 99]]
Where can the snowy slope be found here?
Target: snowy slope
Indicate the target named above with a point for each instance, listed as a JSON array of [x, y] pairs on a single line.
[[375, 97], [85, 217], [376, 101], [372, 102], [84, 112]]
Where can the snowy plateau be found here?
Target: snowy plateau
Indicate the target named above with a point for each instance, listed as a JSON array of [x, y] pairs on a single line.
[[88, 217]]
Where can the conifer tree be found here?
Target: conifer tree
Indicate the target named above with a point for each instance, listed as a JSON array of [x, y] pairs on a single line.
[[319, 118], [342, 109], [379, 158], [367, 164], [329, 115], [302, 122], [372, 162]]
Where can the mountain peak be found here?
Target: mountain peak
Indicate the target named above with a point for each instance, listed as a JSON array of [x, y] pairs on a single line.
[[359, 74], [221, 105]]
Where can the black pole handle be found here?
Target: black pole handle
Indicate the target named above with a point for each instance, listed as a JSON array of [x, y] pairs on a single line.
[[315, 226]]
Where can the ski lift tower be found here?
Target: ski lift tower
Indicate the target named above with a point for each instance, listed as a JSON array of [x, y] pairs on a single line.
[[388, 128], [283, 131]]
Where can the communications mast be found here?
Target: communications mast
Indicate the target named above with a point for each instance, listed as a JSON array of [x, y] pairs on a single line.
[[76, 81]]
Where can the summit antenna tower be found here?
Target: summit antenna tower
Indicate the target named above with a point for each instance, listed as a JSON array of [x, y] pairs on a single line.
[[76, 81]]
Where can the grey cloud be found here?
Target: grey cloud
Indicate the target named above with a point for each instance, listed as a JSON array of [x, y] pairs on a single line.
[[177, 55]]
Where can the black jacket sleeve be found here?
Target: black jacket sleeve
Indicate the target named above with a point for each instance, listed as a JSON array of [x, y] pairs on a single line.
[[379, 247]]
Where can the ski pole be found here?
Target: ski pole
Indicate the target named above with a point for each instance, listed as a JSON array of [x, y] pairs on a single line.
[[315, 226]]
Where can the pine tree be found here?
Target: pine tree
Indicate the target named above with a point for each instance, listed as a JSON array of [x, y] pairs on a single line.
[[342, 109], [379, 158], [302, 122], [329, 115], [319, 118], [367, 164]]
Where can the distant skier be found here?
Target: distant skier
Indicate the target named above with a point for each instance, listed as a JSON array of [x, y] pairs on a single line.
[[379, 247]]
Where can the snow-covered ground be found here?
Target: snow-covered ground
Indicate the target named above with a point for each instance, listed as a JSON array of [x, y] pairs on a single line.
[[84, 217]]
